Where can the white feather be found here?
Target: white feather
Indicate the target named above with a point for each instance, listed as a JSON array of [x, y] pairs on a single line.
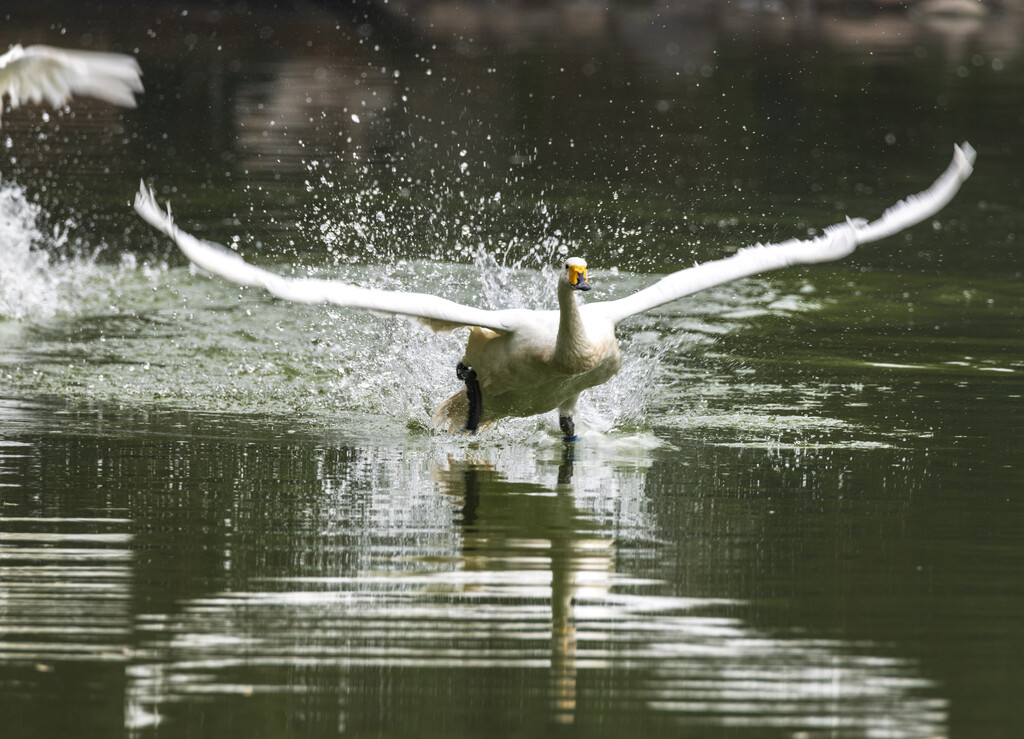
[[837, 242], [437, 313], [38, 73]]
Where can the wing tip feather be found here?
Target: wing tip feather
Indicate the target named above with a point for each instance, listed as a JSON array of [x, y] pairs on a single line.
[[39, 72], [964, 156]]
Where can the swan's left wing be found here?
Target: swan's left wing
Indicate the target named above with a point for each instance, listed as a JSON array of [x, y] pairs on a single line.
[[437, 313], [837, 242], [38, 73]]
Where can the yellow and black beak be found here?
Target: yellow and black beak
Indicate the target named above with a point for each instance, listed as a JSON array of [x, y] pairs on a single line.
[[578, 277]]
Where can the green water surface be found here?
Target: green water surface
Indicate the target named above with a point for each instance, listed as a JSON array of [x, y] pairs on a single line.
[[797, 511]]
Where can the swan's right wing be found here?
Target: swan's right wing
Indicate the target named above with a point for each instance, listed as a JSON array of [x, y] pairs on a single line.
[[38, 73], [437, 313], [837, 242]]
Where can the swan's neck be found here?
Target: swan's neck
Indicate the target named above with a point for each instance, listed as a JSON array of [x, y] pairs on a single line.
[[571, 346]]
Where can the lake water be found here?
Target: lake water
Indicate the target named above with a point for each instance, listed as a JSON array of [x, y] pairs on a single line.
[[797, 512]]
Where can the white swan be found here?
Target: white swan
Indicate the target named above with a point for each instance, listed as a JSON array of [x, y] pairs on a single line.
[[36, 73], [524, 362]]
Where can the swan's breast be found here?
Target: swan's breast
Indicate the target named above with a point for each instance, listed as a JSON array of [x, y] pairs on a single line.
[[520, 374]]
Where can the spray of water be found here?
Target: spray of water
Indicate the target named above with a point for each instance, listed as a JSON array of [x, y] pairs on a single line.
[[29, 285], [46, 269]]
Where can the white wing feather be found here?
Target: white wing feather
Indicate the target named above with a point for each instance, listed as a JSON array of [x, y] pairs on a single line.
[[837, 242], [38, 73], [437, 313]]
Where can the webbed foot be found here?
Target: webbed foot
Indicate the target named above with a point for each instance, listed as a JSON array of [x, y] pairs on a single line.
[[568, 428]]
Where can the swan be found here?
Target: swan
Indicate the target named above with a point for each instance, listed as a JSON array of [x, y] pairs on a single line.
[[35, 73], [521, 362]]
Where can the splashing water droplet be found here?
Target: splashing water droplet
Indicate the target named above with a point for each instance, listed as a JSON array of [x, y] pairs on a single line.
[[28, 285]]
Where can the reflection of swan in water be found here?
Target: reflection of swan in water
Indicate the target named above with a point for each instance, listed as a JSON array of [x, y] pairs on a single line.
[[388, 607], [521, 362], [569, 544], [697, 666]]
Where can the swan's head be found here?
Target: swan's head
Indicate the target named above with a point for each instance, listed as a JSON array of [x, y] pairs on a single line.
[[575, 274]]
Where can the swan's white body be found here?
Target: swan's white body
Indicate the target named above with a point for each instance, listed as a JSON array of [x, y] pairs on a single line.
[[543, 364], [36, 73], [527, 361]]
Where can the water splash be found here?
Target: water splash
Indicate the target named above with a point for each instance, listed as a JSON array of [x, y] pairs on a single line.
[[46, 269], [28, 284]]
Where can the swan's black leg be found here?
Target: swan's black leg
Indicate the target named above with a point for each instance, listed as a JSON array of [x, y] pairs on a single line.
[[568, 428], [476, 406]]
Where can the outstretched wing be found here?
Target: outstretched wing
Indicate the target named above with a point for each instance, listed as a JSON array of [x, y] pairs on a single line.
[[837, 242], [40, 73], [437, 313]]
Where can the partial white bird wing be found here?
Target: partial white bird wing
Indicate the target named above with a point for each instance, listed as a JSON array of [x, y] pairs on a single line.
[[38, 73], [837, 242], [437, 313]]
